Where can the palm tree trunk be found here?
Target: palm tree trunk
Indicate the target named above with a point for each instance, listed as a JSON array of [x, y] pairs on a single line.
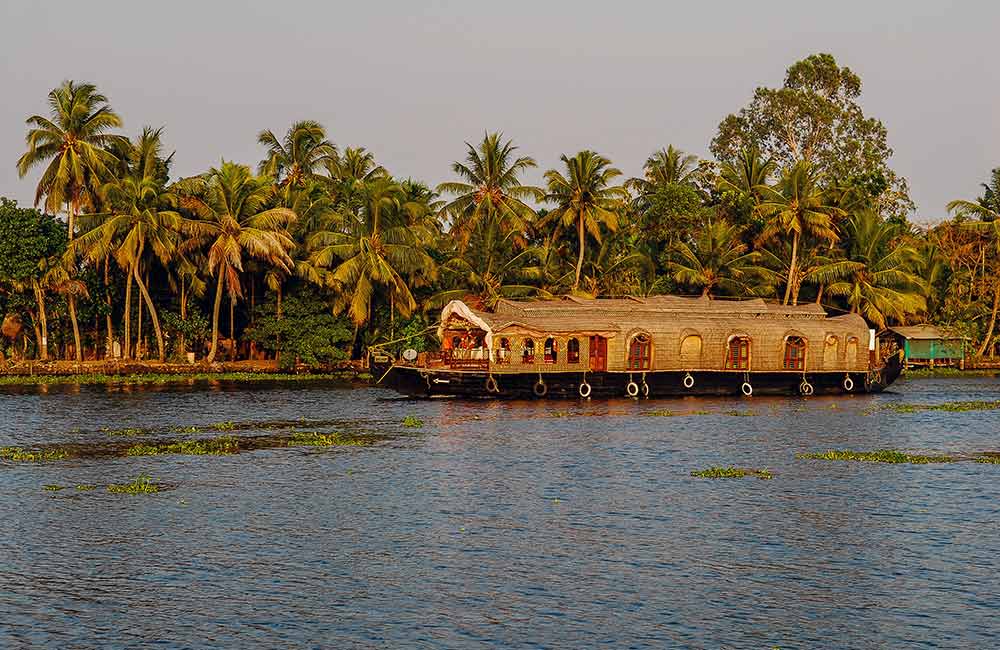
[[43, 340], [579, 259], [72, 298], [792, 268], [993, 322], [138, 325], [181, 340], [110, 344], [152, 314], [215, 319], [232, 328], [127, 334], [277, 351]]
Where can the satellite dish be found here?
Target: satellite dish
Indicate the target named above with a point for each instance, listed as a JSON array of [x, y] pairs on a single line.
[[410, 354]]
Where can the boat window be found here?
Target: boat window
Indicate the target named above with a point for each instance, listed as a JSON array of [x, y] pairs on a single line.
[[528, 352], [503, 351], [639, 352], [852, 350], [830, 352], [691, 350], [738, 353], [551, 350], [573, 351], [795, 353]]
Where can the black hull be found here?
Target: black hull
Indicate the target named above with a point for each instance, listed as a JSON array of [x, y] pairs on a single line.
[[431, 382]]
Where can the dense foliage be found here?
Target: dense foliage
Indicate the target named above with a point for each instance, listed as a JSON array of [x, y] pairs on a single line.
[[320, 253]]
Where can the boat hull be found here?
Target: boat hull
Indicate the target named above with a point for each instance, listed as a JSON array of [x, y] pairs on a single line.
[[433, 382]]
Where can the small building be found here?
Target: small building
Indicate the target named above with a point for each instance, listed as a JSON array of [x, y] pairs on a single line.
[[925, 345]]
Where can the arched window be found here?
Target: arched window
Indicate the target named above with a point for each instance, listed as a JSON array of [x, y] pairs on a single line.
[[573, 351], [830, 352], [738, 353], [503, 351], [456, 342], [795, 353], [852, 351], [691, 351], [528, 353], [551, 350], [640, 352]]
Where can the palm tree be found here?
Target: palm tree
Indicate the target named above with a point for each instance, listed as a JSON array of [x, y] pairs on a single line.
[[74, 142], [374, 249], [585, 197], [987, 210], [141, 216], [665, 167], [299, 156], [877, 275], [229, 202], [490, 194], [797, 207], [747, 176], [717, 259]]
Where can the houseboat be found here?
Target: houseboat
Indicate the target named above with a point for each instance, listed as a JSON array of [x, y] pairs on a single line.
[[642, 348]]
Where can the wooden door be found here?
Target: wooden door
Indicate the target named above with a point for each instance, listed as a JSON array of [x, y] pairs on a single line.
[[598, 354]]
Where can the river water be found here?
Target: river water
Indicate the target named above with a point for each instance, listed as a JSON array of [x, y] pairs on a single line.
[[502, 525]]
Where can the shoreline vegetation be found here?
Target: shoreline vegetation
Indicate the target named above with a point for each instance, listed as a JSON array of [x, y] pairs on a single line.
[[313, 253]]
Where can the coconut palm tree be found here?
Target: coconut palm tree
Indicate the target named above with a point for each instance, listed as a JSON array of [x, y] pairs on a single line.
[[987, 210], [229, 202], [877, 276], [141, 217], [489, 193], [73, 145], [718, 259], [748, 175], [665, 167], [298, 157], [374, 249], [585, 197], [797, 208]]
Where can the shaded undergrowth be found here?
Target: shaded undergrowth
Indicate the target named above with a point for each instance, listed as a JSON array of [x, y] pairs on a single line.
[[168, 378], [733, 472]]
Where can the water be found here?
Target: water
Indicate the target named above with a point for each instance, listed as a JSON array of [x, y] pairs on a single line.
[[503, 525]]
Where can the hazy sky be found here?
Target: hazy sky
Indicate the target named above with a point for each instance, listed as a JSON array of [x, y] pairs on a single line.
[[413, 80]]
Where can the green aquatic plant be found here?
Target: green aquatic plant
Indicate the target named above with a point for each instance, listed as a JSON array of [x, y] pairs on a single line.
[[992, 459], [130, 431], [412, 422], [953, 407], [893, 456], [737, 413], [142, 484], [316, 439], [53, 488], [223, 426], [661, 413], [22, 455], [208, 447], [85, 488], [732, 472]]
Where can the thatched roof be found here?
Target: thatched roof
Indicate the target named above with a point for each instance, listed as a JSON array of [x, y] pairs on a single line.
[[925, 332]]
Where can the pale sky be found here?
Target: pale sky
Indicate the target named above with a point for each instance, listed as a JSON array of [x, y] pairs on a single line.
[[412, 81]]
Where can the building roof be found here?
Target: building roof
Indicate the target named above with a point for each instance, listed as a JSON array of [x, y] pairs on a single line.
[[925, 332]]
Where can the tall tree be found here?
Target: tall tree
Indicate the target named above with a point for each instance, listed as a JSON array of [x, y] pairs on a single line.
[[877, 275], [229, 202], [141, 216], [987, 211], [797, 208], [717, 259], [585, 197], [815, 117], [73, 143], [298, 157], [489, 193], [374, 250]]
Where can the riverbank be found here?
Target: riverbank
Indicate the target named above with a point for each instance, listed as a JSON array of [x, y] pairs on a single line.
[[938, 373], [110, 372]]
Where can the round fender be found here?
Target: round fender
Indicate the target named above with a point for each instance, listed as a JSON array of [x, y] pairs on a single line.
[[491, 385], [806, 388], [688, 381], [848, 383], [645, 389], [539, 389], [747, 389], [632, 389], [584, 390]]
